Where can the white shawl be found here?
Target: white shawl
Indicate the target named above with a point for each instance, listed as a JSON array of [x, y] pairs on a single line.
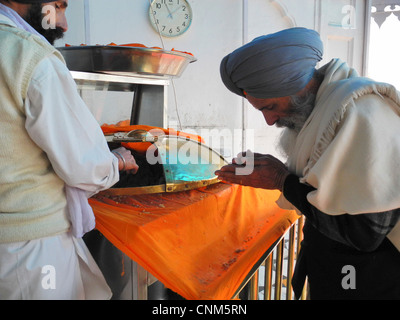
[[349, 148]]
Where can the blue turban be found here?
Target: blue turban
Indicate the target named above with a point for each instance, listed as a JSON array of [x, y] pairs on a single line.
[[275, 65]]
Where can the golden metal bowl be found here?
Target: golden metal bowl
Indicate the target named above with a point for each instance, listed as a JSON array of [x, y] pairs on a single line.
[[186, 164]]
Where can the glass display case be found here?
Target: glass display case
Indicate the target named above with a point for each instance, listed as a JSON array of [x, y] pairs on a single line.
[[114, 97], [142, 72]]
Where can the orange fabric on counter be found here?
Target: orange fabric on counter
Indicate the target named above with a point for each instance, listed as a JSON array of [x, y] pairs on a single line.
[[200, 243]]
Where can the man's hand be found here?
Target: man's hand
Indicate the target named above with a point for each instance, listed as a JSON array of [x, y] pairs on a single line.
[[268, 172], [126, 161]]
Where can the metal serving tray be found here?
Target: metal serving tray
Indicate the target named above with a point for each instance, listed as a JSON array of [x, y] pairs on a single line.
[[186, 164], [125, 60]]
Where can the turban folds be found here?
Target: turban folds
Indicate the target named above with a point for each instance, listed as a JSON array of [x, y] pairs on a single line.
[[275, 65]]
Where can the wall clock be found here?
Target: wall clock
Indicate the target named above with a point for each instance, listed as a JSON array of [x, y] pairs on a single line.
[[170, 18]]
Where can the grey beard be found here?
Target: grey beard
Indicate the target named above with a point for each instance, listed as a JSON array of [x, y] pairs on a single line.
[[301, 108], [294, 122]]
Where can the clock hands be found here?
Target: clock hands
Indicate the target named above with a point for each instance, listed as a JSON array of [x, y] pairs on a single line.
[[170, 14], [181, 6], [169, 11]]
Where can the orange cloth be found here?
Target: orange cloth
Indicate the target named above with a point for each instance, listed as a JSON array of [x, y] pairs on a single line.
[[200, 243]]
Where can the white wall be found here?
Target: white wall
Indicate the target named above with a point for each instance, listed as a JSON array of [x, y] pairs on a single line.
[[218, 27]]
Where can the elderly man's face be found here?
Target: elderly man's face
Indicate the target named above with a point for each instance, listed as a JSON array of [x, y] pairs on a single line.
[[34, 17], [273, 109], [289, 112]]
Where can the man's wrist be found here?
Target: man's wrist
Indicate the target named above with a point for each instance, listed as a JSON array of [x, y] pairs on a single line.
[[119, 156]]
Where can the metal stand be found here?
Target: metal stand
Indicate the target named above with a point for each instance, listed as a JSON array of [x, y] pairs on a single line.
[[126, 279]]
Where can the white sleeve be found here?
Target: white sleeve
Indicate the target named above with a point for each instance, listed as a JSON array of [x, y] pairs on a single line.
[[60, 123]]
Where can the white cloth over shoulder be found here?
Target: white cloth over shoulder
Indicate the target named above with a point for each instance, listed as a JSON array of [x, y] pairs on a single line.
[[349, 147]]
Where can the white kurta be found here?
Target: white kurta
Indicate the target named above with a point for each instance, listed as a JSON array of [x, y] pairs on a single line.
[[59, 122]]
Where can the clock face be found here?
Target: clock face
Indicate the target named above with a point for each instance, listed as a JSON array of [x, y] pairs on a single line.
[[170, 17]]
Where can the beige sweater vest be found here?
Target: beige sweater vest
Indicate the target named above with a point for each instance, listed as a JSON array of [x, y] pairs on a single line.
[[32, 197]]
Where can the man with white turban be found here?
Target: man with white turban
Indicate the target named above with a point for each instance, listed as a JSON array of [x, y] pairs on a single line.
[[342, 141]]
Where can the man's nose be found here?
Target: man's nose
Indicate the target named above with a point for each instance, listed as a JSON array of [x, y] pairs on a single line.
[[270, 117], [62, 22]]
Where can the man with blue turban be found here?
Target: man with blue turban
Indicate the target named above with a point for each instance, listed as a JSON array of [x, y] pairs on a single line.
[[341, 138]]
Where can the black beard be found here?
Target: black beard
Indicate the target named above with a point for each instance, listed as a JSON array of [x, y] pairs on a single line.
[[35, 16]]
